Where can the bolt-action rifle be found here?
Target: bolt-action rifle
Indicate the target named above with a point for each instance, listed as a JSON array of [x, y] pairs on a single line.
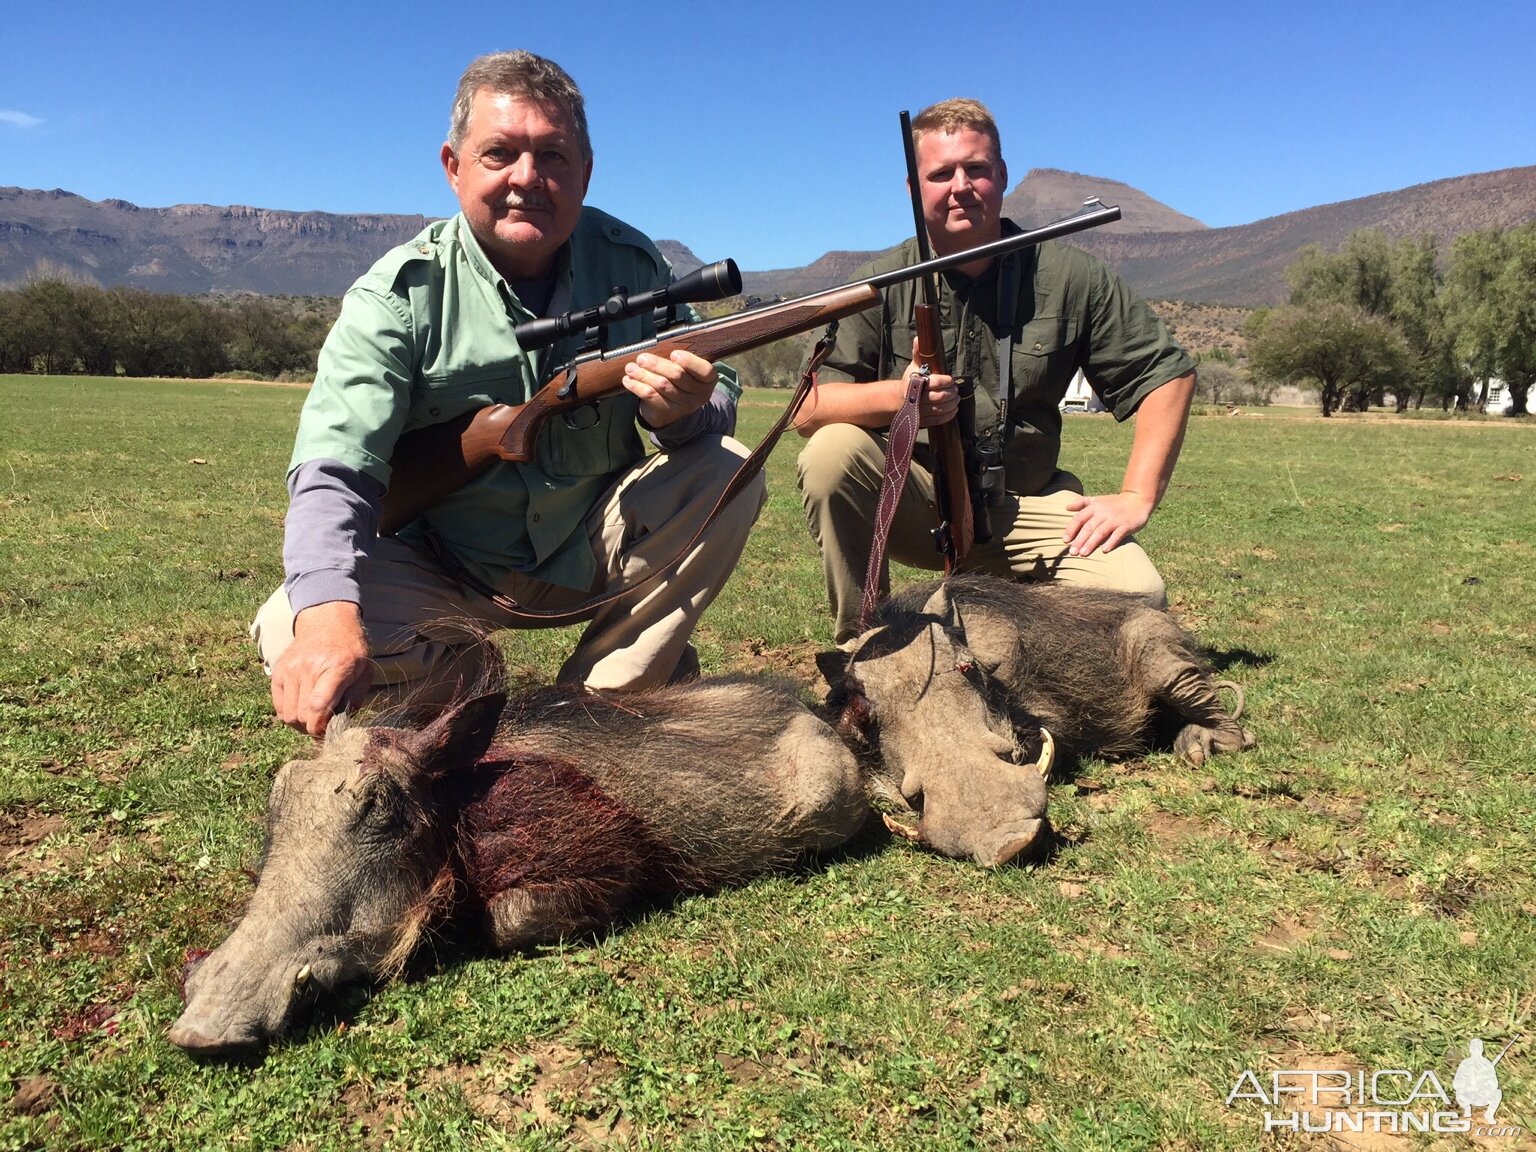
[[957, 492], [431, 463]]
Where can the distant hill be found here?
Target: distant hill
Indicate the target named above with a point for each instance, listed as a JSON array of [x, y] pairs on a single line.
[[1047, 194], [192, 248], [1246, 264], [196, 248]]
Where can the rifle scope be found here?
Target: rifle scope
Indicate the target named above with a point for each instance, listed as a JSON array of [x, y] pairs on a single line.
[[712, 282]]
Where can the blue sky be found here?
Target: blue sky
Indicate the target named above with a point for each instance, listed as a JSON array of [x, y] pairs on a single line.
[[768, 132]]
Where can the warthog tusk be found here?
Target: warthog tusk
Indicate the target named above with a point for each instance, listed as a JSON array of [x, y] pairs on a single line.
[[903, 830], [1047, 755], [301, 978]]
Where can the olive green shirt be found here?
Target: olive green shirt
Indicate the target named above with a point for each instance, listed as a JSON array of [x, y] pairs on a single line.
[[427, 335], [1070, 311]]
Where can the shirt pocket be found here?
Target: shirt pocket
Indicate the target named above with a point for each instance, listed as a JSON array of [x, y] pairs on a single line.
[[1044, 359], [442, 397]]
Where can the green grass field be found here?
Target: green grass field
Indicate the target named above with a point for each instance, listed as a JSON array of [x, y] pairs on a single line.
[[1355, 893]]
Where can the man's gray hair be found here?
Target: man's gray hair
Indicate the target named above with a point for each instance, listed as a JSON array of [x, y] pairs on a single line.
[[526, 76]]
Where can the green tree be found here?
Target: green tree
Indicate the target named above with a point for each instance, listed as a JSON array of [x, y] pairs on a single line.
[[1345, 353], [48, 311], [1472, 311], [1359, 274], [1514, 293], [1417, 308]]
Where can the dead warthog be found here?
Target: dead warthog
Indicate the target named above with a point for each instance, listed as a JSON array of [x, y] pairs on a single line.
[[959, 683], [534, 820]]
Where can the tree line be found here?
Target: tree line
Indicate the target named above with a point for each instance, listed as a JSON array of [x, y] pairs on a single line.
[[1380, 318], [55, 325]]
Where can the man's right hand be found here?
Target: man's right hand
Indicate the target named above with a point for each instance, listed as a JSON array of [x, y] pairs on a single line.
[[325, 670]]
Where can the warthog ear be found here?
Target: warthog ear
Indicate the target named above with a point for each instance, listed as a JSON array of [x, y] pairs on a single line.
[[942, 605], [459, 736]]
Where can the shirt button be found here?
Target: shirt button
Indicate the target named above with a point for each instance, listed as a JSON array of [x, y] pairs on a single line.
[[1038, 345], [434, 411], [534, 517], [424, 249]]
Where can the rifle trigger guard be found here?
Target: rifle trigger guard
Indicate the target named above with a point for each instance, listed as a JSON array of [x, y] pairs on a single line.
[[571, 417]]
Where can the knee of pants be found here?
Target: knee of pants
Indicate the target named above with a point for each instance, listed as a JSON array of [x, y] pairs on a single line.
[[1142, 580], [832, 456]]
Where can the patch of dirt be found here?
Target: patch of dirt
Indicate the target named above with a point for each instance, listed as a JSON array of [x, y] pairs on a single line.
[[796, 662], [1284, 935], [18, 832], [35, 1095], [1166, 828]]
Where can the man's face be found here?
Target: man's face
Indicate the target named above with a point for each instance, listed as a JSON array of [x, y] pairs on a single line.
[[962, 183], [520, 177]]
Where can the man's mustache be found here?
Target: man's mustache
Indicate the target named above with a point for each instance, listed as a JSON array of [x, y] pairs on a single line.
[[517, 203]]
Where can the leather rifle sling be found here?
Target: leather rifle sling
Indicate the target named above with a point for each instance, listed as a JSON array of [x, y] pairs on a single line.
[[898, 462], [750, 467]]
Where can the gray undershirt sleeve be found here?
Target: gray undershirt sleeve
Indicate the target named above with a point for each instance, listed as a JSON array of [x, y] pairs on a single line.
[[717, 418], [333, 519]]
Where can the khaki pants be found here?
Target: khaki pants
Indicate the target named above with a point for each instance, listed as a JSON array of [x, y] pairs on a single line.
[[422, 625], [841, 469]]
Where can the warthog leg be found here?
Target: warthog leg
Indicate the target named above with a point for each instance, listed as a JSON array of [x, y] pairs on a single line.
[[1212, 729]]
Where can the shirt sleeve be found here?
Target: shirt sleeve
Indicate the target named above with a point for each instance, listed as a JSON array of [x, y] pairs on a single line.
[[333, 517], [717, 418], [1131, 353], [362, 391], [857, 350]]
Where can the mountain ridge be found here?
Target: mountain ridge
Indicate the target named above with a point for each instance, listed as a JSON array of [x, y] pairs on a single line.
[[193, 249]]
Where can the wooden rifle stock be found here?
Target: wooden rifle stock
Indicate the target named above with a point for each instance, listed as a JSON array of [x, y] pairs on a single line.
[[956, 532], [432, 463]]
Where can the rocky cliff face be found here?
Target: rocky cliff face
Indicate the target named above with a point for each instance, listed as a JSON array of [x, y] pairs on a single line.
[[192, 248]]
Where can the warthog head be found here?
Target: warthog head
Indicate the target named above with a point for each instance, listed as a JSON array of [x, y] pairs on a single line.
[[914, 693], [355, 864]]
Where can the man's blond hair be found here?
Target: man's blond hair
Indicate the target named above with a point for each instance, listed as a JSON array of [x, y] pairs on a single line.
[[952, 116], [526, 76]]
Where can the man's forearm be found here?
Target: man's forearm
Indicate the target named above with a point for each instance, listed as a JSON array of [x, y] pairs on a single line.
[[1159, 435], [868, 405], [333, 515]]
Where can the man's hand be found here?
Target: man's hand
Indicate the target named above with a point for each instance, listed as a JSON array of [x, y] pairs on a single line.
[[669, 387], [1104, 521], [940, 400], [325, 670]]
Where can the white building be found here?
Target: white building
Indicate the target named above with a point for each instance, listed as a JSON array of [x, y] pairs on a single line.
[[1080, 397], [1500, 401]]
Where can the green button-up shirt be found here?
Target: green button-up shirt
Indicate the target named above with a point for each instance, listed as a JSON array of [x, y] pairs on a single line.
[[1070, 311], [426, 335]]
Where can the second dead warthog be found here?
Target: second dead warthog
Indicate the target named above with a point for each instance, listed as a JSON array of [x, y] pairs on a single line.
[[530, 820], [957, 683]]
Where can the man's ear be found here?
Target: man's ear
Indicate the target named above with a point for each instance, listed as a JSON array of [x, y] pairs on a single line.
[[1002, 172], [451, 167]]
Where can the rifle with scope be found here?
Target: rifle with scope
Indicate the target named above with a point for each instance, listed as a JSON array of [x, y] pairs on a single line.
[[431, 463]]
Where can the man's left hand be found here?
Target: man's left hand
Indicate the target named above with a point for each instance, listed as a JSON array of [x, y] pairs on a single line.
[[1104, 521], [669, 387]]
